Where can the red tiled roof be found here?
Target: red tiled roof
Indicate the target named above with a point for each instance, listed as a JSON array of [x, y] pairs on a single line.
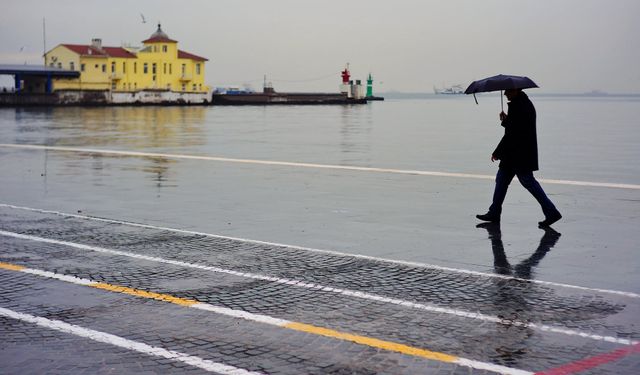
[[83, 49], [187, 55], [159, 40], [119, 52], [88, 50]]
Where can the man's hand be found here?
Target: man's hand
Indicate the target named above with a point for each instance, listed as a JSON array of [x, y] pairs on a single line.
[[502, 116], [493, 158]]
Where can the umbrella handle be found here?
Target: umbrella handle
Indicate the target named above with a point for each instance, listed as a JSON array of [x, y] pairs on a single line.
[[474, 97], [501, 102]]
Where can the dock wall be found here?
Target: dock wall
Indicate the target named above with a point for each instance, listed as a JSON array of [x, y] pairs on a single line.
[[103, 97]]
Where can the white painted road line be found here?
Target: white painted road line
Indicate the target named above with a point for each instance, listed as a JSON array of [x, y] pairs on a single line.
[[331, 252], [344, 292], [114, 340], [296, 326], [309, 165]]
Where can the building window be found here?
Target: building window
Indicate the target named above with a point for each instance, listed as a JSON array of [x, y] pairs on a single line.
[[72, 66], [135, 85], [153, 68], [197, 68], [113, 67], [169, 86], [135, 68], [164, 48], [96, 66], [113, 86], [124, 67], [154, 77], [184, 87], [59, 65], [184, 69], [104, 68], [164, 68], [194, 87], [200, 87], [170, 68], [82, 67], [145, 68]]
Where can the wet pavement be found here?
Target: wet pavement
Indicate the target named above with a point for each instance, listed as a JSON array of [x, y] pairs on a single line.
[[130, 263], [499, 319]]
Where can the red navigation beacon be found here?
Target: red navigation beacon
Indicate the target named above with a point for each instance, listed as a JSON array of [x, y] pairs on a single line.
[[346, 75]]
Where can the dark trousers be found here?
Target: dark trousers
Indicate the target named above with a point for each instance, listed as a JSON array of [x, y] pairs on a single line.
[[503, 179]]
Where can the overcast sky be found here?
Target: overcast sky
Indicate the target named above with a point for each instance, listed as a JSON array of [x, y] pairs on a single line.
[[565, 46]]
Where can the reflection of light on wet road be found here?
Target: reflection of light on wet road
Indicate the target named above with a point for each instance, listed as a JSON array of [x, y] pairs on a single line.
[[312, 165]]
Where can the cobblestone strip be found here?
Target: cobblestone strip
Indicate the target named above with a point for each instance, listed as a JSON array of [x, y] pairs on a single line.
[[108, 338], [345, 292], [510, 300], [328, 252], [296, 326]]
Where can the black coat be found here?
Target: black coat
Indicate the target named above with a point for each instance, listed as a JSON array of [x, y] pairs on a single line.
[[518, 148]]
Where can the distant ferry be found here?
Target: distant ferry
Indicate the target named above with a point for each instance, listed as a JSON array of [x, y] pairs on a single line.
[[453, 90]]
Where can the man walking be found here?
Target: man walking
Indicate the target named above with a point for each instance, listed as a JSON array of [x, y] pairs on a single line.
[[518, 155]]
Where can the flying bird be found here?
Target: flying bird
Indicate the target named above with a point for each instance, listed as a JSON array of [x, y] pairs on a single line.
[[143, 20]]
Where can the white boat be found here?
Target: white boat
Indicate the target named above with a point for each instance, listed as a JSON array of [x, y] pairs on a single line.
[[452, 90]]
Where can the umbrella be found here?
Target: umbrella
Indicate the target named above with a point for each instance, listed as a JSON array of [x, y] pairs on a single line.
[[499, 82]]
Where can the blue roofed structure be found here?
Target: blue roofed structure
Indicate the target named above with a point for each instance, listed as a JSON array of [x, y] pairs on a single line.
[[35, 78]]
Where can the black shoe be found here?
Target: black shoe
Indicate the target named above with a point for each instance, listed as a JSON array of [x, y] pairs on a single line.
[[549, 220], [489, 217]]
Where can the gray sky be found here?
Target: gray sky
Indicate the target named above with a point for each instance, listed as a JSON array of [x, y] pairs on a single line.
[[564, 45]]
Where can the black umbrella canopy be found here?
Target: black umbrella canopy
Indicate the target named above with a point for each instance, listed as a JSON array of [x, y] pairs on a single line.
[[500, 82]]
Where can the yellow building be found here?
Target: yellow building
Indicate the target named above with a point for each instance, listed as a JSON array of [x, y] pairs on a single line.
[[158, 65]]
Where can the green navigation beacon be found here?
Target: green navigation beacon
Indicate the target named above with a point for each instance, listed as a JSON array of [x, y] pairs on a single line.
[[369, 86]]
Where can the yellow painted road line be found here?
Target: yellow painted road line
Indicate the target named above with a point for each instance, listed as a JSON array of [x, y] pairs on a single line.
[[296, 326], [12, 267], [375, 343], [145, 294], [344, 292]]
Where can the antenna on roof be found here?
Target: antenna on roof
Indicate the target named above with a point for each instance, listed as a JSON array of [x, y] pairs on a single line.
[[44, 43]]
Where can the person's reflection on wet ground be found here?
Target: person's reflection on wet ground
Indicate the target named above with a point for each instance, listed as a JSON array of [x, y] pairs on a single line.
[[524, 269], [514, 303]]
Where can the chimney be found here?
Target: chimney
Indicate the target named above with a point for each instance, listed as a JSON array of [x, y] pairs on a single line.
[[96, 43]]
